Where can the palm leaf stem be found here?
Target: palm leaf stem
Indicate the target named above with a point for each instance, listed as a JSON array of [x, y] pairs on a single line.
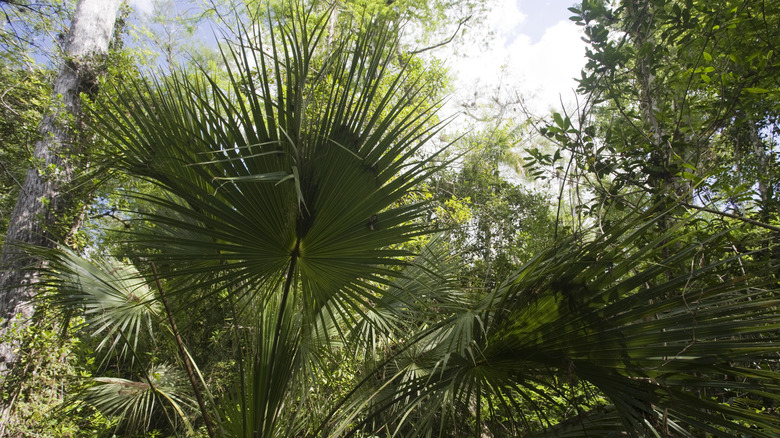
[[280, 317], [185, 357], [240, 359]]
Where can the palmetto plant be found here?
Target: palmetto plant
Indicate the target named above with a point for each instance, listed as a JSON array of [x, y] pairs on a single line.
[[660, 338], [122, 313], [119, 307], [287, 193], [160, 393]]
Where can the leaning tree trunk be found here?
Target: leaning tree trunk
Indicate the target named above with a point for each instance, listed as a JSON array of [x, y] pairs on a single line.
[[35, 217]]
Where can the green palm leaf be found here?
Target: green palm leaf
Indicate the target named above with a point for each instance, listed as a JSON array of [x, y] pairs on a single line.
[[301, 156], [673, 343], [286, 189], [259, 407], [424, 290], [118, 307], [136, 403]]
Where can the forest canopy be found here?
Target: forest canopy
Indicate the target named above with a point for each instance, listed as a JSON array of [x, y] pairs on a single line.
[[280, 234]]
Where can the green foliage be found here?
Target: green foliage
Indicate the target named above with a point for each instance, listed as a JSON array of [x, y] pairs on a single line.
[[25, 97], [675, 106], [54, 364], [134, 404], [425, 24], [119, 316], [649, 337], [270, 249], [284, 193], [496, 225], [24, 23], [118, 306]]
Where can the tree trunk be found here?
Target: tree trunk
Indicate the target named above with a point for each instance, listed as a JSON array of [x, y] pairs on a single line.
[[35, 217]]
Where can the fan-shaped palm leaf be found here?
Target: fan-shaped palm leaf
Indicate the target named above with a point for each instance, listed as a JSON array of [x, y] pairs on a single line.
[[286, 185], [119, 308], [676, 344], [136, 403], [302, 159]]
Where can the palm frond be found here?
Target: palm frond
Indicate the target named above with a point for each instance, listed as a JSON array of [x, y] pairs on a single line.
[[673, 341], [425, 291], [257, 406], [286, 185], [119, 308], [136, 404], [304, 153]]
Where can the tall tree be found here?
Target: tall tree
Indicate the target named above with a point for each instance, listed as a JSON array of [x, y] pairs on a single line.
[[677, 104], [42, 198]]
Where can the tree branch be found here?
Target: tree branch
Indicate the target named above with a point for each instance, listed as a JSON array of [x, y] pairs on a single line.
[[443, 43], [733, 216]]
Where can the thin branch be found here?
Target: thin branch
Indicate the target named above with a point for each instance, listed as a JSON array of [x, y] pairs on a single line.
[[733, 216], [443, 43], [21, 187]]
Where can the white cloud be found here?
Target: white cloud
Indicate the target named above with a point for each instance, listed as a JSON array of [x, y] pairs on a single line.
[[550, 65], [511, 63], [507, 16]]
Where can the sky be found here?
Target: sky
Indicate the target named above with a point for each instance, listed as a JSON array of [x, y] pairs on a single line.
[[535, 53], [142, 5]]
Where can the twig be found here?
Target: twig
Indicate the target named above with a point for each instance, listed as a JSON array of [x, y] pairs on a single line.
[[443, 43], [112, 215], [5, 169], [734, 216]]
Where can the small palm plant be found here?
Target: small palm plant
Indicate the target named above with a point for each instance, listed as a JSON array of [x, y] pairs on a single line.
[[123, 314]]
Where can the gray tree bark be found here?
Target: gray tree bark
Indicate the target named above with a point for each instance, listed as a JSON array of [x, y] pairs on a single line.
[[35, 216]]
